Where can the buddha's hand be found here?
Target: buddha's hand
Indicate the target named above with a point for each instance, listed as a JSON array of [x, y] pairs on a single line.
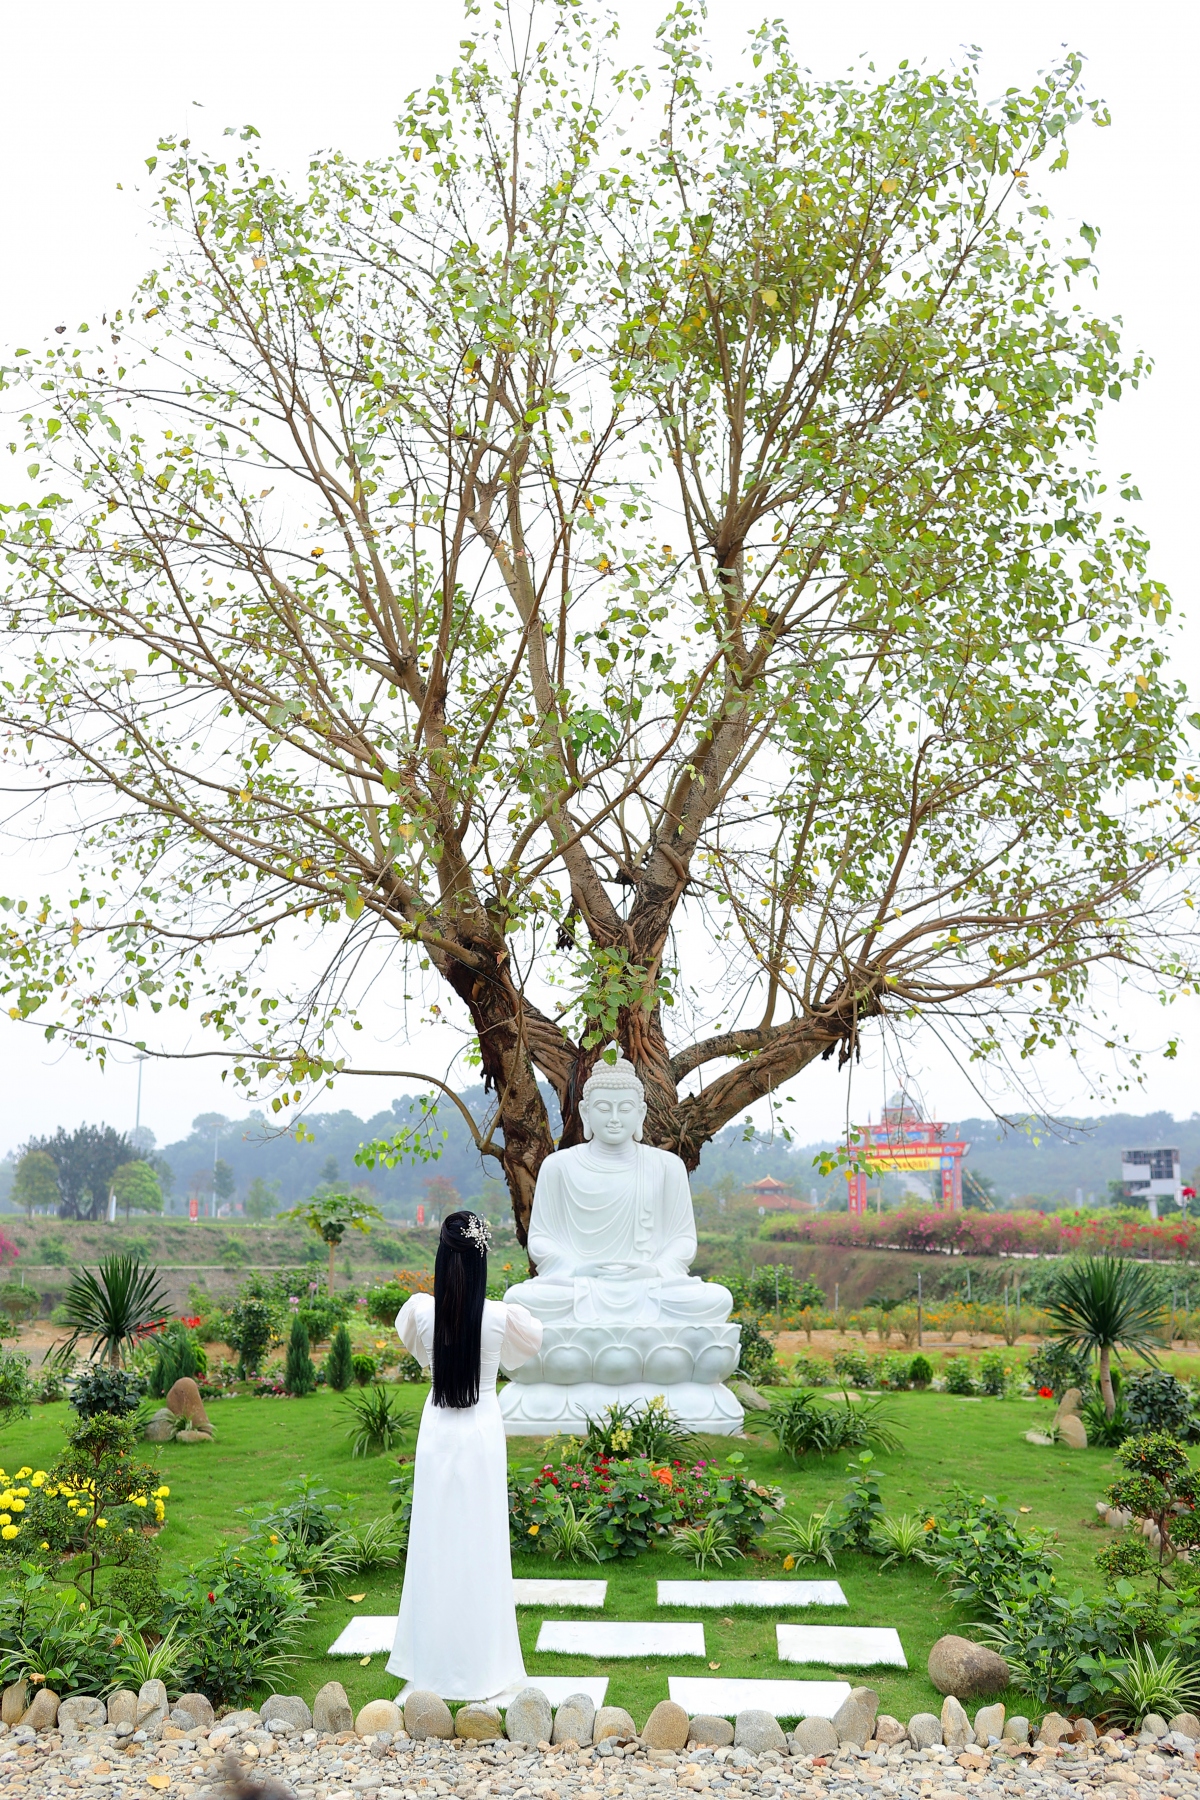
[[625, 1271]]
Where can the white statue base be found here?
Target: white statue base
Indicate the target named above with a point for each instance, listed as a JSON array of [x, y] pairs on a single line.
[[543, 1408]]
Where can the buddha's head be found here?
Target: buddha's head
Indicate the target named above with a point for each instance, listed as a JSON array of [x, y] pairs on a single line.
[[613, 1104]]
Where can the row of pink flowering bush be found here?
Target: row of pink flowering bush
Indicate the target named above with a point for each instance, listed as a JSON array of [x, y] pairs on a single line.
[[998, 1234]]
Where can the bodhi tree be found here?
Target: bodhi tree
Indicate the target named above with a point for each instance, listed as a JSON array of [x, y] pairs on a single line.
[[627, 564]]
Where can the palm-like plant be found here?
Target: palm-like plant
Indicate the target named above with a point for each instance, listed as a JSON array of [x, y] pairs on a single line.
[[113, 1306], [1104, 1303], [379, 1421]]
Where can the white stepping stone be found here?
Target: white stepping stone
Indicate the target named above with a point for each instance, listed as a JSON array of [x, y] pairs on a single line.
[[536, 1592], [786, 1699], [365, 1636], [848, 1646], [556, 1688], [593, 1637], [750, 1593]]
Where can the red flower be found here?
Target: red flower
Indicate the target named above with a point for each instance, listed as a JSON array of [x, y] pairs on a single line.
[[212, 1597], [1045, 1393]]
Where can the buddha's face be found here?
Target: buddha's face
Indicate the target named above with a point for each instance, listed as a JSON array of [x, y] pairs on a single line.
[[613, 1116]]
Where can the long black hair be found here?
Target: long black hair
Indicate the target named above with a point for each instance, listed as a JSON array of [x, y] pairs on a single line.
[[459, 1290]]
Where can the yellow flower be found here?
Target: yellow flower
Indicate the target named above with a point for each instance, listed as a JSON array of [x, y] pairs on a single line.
[[39, 1478], [24, 1493], [533, 1530], [160, 1511], [789, 1562], [140, 1500], [163, 1493], [10, 1531], [45, 1544], [26, 1471], [5, 1519], [102, 1524], [18, 1506]]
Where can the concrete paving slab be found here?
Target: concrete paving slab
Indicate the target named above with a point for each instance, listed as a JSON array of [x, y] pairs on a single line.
[[602, 1638], [841, 1646], [786, 1699], [750, 1593]]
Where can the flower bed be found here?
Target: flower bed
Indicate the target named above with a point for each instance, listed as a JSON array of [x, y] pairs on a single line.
[[999, 1234], [633, 1500]]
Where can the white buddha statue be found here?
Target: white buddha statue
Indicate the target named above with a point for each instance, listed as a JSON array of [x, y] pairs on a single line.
[[612, 1235]]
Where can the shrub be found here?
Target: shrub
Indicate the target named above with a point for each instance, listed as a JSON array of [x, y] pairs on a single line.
[[920, 1371], [49, 1385], [895, 1372], [1157, 1401], [646, 1428], [975, 1544], [1160, 1485], [957, 1376], [18, 1304], [1058, 1368], [299, 1375], [853, 1367], [364, 1367], [994, 1374], [177, 1352], [16, 1388], [339, 1364], [409, 1369], [756, 1357], [134, 1589], [238, 1615], [385, 1301], [99, 1388], [249, 1329], [811, 1371]]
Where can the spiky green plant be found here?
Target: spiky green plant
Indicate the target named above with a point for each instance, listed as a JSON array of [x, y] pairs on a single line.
[[901, 1537], [1149, 1681], [710, 1542], [377, 1421], [1104, 1303], [570, 1536], [113, 1306], [802, 1541], [141, 1661]]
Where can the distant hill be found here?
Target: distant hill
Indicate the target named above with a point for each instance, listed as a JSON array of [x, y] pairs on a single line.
[[1081, 1155]]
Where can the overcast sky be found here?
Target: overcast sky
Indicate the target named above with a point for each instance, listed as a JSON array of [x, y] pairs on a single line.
[[86, 91]]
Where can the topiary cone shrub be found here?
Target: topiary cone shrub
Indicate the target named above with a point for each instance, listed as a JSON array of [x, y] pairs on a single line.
[[339, 1364], [299, 1375]]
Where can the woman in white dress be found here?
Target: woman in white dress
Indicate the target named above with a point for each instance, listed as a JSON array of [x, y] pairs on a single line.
[[457, 1630]]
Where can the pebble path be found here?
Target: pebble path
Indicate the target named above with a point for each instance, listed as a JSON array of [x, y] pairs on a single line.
[[253, 1763]]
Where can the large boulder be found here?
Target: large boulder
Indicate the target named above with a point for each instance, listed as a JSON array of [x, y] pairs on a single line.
[[530, 1718], [924, 1731], [814, 1737], [152, 1708], [574, 1720], [1187, 1724], [966, 1670], [614, 1722], [200, 1708], [667, 1727], [184, 1402], [426, 1715], [288, 1707], [1054, 1728], [480, 1720], [854, 1720], [707, 1728], [377, 1716], [79, 1711], [755, 1730], [331, 1709], [1073, 1432], [42, 1713], [1016, 1729], [956, 1727], [1070, 1405]]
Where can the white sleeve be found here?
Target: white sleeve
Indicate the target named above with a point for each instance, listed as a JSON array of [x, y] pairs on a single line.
[[522, 1336], [414, 1322]]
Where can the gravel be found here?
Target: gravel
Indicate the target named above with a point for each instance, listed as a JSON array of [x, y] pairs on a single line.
[[202, 1765]]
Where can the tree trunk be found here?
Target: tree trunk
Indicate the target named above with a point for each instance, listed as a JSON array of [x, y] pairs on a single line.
[[1106, 1386], [332, 1254]]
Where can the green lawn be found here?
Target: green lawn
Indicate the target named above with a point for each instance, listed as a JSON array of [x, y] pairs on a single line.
[[263, 1444]]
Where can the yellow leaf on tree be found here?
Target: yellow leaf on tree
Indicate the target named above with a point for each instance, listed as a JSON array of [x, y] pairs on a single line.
[[770, 297], [890, 185]]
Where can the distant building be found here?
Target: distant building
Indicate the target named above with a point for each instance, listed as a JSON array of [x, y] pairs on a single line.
[[905, 1141], [1152, 1175], [771, 1196]]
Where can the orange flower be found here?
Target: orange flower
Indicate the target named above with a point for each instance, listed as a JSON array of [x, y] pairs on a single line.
[[664, 1477]]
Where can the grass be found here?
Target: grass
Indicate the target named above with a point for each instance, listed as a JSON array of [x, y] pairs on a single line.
[[264, 1444]]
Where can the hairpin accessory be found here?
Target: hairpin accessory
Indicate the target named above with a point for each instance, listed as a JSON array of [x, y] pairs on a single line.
[[479, 1234]]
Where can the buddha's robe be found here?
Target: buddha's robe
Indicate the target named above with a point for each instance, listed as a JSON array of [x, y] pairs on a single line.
[[613, 1239]]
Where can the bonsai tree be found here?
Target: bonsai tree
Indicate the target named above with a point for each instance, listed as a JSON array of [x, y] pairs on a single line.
[[332, 1215], [299, 1375], [1160, 1485], [1106, 1303], [339, 1364]]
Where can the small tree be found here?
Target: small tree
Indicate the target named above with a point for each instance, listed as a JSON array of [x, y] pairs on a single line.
[[113, 1306], [248, 1330], [332, 1215], [35, 1185], [262, 1199], [224, 1180], [1104, 1303], [299, 1375], [138, 1188], [339, 1364], [1160, 1486]]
